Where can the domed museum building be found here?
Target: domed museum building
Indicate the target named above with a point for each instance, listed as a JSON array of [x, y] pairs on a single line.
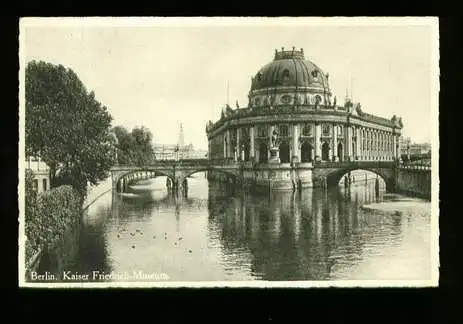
[[293, 125]]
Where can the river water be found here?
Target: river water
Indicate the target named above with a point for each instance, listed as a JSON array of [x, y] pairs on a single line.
[[217, 234]]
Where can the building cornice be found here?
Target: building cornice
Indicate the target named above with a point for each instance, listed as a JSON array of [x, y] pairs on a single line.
[[289, 89], [308, 113]]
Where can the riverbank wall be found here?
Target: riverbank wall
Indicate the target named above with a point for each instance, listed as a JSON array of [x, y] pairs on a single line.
[[95, 192], [414, 180]]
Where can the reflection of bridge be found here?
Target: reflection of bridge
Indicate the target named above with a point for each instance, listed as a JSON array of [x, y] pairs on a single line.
[[321, 174]]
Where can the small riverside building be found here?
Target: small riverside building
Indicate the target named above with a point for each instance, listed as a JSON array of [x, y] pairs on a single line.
[[41, 173]]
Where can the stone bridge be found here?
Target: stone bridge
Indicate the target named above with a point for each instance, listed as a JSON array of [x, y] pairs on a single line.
[[322, 174], [177, 171], [332, 172]]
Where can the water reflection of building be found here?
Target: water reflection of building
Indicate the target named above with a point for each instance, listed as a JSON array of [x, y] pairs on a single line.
[[292, 236]]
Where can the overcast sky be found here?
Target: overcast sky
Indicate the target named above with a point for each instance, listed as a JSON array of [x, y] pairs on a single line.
[[164, 75]]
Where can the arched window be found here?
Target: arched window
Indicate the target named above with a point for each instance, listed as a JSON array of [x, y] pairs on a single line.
[[284, 152], [263, 152], [285, 74], [325, 151], [257, 101], [244, 133], [306, 152], [340, 151]]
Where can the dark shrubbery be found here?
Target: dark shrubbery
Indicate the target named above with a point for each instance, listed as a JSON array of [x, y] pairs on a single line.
[[48, 215]]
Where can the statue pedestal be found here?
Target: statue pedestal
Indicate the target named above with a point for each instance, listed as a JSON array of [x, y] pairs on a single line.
[[274, 155]]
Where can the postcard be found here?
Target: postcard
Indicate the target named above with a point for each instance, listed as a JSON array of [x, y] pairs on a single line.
[[228, 152]]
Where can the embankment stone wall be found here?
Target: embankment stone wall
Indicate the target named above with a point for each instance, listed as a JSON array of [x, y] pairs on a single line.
[[416, 181]]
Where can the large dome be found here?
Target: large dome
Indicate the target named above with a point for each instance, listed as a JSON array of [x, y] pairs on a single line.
[[289, 79], [290, 69]]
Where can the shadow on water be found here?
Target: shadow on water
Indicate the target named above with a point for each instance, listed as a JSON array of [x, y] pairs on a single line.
[[312, 234], [81, 249]]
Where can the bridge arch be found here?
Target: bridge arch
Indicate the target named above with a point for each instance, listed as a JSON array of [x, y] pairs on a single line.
[[122, 175], [188, 173], [386, 175]]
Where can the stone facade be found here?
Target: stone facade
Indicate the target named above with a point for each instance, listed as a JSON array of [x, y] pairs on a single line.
[[291, 97]]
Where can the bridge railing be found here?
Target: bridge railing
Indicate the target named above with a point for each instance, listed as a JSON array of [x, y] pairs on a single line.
[[177, 163], [232, 163], [415, 167], [355, 164]]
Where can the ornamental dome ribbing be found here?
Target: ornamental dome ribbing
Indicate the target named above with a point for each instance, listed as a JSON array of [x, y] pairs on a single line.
[[290, 69]]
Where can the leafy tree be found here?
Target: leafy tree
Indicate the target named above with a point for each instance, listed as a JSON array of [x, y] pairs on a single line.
[[30, 204], [66, 126], [144, 153], [135, 147], [125, 145]]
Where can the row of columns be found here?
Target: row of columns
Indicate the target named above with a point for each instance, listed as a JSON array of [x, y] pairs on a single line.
[[357, 142]]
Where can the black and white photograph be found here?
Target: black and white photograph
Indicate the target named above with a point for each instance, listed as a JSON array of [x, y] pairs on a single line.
[[228, 152]]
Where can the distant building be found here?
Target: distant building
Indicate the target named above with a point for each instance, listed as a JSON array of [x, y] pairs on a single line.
[[196, 154], [174, 152], [178, 151], [424, 148], [41, 173], [165, 151], [409, 148]]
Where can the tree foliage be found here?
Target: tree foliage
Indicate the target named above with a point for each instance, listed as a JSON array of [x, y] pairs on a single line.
[[66, 126], [48, 215], [135, 147], [30, 213]]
